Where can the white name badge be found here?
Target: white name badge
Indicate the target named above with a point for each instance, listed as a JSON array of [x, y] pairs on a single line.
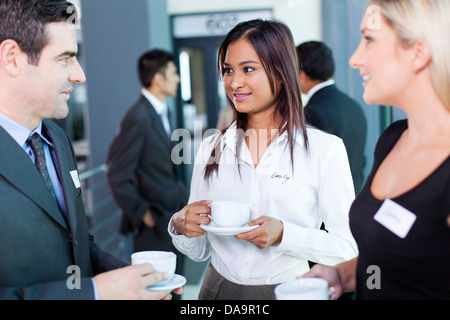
[[395, 218], [75, 178]]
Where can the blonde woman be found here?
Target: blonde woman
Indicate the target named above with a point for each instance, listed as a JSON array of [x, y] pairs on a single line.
[[400, 218]]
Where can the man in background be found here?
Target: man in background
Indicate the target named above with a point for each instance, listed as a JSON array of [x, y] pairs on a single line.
[[328, 108], [143, 179]]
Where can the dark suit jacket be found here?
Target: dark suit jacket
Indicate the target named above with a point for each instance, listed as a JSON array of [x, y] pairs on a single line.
[[332, 111], [37, 244], [142, 176]]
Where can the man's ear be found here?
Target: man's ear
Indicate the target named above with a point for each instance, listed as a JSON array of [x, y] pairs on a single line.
[[422, 55], [158, 78], [10, 54], [301, 76]]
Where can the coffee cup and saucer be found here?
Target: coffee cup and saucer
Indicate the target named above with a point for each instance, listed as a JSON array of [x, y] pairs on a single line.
[[162, 261], [229, 218], [303, 289]]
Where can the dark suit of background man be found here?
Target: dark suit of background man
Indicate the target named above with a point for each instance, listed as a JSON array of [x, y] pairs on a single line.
[[328, 108], [141, 174], [46, 251]]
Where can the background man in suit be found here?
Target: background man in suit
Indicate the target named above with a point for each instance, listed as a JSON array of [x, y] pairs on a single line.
[[45, 247], [328, 108], [141, 173]]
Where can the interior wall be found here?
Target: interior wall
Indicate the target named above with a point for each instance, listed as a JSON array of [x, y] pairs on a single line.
[[302, 16], [115, 34]]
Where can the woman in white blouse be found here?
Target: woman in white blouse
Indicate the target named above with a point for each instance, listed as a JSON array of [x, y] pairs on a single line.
[[295, 178]]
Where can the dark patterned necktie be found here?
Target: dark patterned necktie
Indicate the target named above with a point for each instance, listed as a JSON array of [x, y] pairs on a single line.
[[35, 142]]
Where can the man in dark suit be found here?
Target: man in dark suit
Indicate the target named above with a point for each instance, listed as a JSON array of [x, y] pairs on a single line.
[[45, 246], [328, 108], [140, 171]]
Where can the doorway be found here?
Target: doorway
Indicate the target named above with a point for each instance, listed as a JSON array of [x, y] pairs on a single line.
[[202, 95]]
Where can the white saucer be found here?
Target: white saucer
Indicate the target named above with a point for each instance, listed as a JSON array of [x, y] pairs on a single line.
[[226, 231], [177, 281]]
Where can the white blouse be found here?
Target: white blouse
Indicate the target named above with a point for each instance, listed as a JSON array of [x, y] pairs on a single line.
[[318, 189]]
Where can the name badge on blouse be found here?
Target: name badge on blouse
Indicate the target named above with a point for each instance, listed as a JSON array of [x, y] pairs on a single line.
[[277, 175], [395, 218]]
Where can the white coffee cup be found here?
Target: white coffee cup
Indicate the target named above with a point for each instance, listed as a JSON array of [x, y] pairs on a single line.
[[303, 289], [230, 214], [162, 261]]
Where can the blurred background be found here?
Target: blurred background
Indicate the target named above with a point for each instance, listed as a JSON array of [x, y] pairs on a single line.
[[112, 34]]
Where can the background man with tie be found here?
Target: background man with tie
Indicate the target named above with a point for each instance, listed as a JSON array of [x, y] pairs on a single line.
[[141, 174], [43, 225], [330, 109]]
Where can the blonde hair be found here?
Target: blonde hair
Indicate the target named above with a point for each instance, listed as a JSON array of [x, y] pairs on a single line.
[[424, 19]]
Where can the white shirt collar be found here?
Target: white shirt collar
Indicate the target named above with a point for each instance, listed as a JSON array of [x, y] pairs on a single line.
[[319, 86], [160, 106]]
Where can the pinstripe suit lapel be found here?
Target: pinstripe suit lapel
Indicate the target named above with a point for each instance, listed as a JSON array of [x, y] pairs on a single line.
[[156, 122], [17, 168]]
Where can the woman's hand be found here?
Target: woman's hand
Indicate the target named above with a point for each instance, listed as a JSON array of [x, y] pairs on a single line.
[[269, 233], [341, 278], [331, 275], [187, 221]]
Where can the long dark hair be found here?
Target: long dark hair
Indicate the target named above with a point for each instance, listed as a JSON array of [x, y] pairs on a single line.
[[274, 45]]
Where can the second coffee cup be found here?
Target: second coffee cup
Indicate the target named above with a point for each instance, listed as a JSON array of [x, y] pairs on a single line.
[[162, 261], [230, 214]]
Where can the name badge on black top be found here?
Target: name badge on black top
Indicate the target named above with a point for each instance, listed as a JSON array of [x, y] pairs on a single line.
[[395, 218]]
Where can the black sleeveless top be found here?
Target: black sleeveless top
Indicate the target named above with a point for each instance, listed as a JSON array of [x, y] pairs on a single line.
[[418, 265]]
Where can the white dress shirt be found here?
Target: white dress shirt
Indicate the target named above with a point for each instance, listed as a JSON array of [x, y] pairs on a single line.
[[319, 189], [160, 108], [317, 87]]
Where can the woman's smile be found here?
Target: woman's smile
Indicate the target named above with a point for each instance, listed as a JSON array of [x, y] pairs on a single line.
[[238, 97]]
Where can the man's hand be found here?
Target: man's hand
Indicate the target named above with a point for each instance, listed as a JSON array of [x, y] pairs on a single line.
[[130, 283], [148, 219]]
